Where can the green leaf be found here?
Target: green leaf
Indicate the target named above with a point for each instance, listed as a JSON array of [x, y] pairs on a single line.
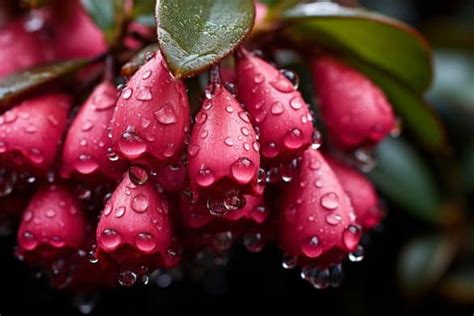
[[417, 114], [377, 40], [402, 176], [423, 262], [109, 15], [17, 85], [194, 35]]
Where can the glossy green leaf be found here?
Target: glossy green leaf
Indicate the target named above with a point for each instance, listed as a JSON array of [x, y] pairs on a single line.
[[418, 116], [423, 262], [194, 35], [402, 176], [109, 15], [377, 40], [14, 87]]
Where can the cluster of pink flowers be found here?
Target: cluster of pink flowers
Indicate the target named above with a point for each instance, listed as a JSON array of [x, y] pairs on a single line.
[[132, 182]]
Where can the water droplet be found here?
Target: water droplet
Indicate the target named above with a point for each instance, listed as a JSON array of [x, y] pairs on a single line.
[[254, 242], [108, 209], [246, 146], [50, 213], [259, 78], [166, 115], [137, 175], [201, 117], [10, 117], [86, 165], [261, 116], [127, 278], [289, 261], [140, 203], [243, 170], [193, 150], [127, 93], [120, 211], [110, 238], [233, 201], [312, 248], [277, 108], [145, 242], [351, 237], [146, 74], [329, 201], [57, 242], [282, 84], [291, 76], [204, 134], [333, 219], [228, 141], [256, 146], [87, 126], [112, 156], [205, 177], [216, 206], [318, 183], [244, 116], [294, 139], [270, 150], [131, 144], [297, 103], [28, 216], [229, 109], [29, 241], [36, 156], [358, 255]]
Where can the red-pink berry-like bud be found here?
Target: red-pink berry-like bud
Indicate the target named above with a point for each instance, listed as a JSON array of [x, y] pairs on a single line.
[[195, 214], [20, 49], [135, 229], [223, 153], [354, 109], [52, 226], [73, 33], [317, 222], [361, 192], [278, 110], [31, 132], [151, 120], [87, 151]]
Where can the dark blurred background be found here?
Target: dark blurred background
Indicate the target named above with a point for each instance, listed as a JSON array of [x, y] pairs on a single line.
[[377, 285]]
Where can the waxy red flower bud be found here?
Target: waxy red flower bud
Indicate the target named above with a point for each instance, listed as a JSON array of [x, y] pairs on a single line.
[[135, 229], [317, 221], [223, 152], [87, 151], [151, 120], [278, 110], [20, 49], [355, 110], [361, 192], [53, 226], [31, 132]]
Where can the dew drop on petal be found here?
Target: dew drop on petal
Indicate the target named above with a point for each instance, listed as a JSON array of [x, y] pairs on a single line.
[[329, 201], [140, 203]]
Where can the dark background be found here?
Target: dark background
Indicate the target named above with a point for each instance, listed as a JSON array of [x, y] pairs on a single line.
[[370, 287]]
